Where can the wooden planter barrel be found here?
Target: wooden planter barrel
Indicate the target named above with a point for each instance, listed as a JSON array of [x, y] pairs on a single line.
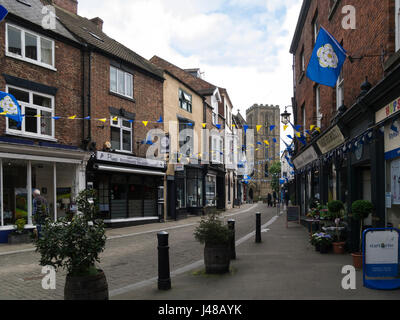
[[86, 287], [217, 259]]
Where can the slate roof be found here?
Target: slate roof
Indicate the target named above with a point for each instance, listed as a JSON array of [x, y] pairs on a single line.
[[88, 32], [33, 14], [201, 86]]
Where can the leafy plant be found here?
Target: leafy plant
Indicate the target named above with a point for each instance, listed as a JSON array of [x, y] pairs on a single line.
[[20, 224], [336, 208], [73, 245], [212, 231], [323, 239], [87, 203], [275, 171]]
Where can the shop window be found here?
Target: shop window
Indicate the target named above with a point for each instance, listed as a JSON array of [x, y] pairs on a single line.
[[66, 189], [150, 197], [185, 100], [121, 82], [211, 187], [103, 194], [194, 187], [15, 196], [118, 196], [135, 196], [180, 193], [38, 109], [121, 134], [43, 180], [29, 46]]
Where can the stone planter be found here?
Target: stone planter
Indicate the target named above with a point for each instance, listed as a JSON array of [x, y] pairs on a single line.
[[23, 238], [217, 258], [86, 287]]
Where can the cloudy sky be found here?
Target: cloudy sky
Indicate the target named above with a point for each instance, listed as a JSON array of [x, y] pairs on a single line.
[[241, 45]]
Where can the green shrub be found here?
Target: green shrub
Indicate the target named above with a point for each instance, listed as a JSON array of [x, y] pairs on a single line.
[[361, 209], [212, 231]]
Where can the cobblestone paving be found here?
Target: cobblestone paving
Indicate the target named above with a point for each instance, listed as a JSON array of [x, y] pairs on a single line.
[[125, 261]]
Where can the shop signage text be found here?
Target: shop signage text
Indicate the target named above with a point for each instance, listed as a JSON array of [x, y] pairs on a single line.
[[387, 111], [305, 158], [330, 140], [118, 158]]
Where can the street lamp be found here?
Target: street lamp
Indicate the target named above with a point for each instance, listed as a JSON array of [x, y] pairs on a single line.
[[286, 116]]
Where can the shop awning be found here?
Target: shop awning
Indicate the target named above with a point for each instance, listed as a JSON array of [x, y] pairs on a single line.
[[103, 167]]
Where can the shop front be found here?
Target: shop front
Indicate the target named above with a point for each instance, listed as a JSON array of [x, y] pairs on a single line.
[[57, 171], [128, 188]]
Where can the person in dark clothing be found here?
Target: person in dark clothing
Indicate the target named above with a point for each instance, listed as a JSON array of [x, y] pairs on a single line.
[[274, 195], [40, 211], [287, 197], [269, 199]]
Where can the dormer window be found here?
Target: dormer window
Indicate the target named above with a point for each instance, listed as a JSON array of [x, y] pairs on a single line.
[[29, 46]]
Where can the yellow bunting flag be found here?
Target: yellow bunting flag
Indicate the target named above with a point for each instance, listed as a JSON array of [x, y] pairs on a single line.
[[72, 118], [204, 125], [298, 134], [259, 127], [3, 113], [312, 127], [233, 126], [145, 123], [285, 127], [37, 116], [115, 119], [318, 129], [103, 120], [266, 142]]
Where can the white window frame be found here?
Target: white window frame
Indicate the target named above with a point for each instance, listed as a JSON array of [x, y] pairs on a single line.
[[303, 61], [339, 90], [23, 105], [214, 104], [318, 104], [38, 45], [188, 99], [315, 27], [397, 19], [126, 76], [121, 128]]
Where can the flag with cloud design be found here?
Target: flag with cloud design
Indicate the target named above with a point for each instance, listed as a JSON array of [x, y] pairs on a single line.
[[327, 60], [10, 108]]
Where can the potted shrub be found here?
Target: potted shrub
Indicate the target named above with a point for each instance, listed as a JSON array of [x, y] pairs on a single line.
[[336, 213], [314, 241], [216, 237], [20, 235], [361, 209], [324, 240], [75, 245]]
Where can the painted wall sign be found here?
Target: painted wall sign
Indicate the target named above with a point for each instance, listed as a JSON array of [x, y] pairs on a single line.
[[305, 158], [381, 258], [330, 140], [118, 158], [387, 111]]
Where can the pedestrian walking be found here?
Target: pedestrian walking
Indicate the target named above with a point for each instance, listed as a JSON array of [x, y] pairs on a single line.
[[40, 211], [287, 197], [269, 198]]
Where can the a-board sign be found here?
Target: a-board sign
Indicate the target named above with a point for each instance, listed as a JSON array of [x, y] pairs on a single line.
[[293, 214], [381, 258]]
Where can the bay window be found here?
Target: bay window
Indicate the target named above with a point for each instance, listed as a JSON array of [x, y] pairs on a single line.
[[29, 46], [121, 82], [38, 109], [121, 134]]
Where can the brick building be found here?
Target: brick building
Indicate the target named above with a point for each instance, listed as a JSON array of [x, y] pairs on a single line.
[[122, 90], [346, 159], [38, 67]]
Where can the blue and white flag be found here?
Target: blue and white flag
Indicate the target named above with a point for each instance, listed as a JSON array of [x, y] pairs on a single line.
[[327, 60], [3, 13], [10, 108]]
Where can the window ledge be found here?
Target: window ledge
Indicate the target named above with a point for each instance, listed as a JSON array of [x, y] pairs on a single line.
[[10, 55], [122, 96], [23, 135]]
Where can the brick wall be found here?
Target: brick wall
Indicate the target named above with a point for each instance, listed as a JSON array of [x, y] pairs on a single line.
[[375, 31], [148, 93], [67, 78]]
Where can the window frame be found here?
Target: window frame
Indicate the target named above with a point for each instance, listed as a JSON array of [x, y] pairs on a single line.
[[303, 61], [126, 75], [22, 56], [122, 128], [315, 28], [339, 88], [317, 89], [183, 99], [23, 106]]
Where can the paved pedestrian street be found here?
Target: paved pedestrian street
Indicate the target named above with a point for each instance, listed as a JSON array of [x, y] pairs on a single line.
[[283, 266]]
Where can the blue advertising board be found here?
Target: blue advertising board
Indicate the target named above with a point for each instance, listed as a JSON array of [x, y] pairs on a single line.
[[381, 255]]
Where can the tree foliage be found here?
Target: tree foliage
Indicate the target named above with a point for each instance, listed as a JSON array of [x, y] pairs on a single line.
[[275, 172]]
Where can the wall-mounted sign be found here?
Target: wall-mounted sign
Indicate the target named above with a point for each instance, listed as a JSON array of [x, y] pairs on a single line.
[[330, 140], [305, 158], [387, 111], [381, 259], [119, 158]]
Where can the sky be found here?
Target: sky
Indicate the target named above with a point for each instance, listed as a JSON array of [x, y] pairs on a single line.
[[240, 45]]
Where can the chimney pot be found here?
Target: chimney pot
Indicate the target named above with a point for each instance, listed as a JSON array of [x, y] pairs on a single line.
[[69, 5], [98, 22]]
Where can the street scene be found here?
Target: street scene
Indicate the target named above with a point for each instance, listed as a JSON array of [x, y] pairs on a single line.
[[199, 151]]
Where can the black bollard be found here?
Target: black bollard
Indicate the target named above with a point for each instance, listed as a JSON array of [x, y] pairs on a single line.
[[164, 279], [258, 227], [231, 226]]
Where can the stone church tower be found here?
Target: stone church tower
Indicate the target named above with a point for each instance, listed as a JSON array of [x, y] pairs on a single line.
[[266, 116]]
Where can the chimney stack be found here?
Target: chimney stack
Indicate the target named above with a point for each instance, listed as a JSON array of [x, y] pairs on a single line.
[[69, 5], [98, 22]]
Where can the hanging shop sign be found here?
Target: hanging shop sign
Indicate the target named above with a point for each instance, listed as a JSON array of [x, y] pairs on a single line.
[[381, 259], [387, 111], [125, 159], [305, 158], [330, 140]]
